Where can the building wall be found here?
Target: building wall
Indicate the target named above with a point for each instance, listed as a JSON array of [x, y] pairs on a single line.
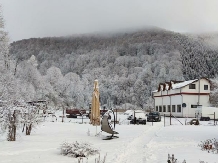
[[174, 91], [195, 99], [157, 93], [184, 95], [169, 100], [202, 82], [188, 111]]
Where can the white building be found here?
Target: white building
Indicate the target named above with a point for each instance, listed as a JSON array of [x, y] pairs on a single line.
[[181, 98]]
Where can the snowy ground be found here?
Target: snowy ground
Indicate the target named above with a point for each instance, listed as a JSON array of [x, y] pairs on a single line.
[[136, 143]]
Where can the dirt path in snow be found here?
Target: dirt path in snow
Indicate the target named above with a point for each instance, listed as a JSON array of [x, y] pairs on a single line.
[[137, 150]]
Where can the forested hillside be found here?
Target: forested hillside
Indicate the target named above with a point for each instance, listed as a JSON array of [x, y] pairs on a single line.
[[129, 66]]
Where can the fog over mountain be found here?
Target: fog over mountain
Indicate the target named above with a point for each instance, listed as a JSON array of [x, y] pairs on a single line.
[[45, 18]]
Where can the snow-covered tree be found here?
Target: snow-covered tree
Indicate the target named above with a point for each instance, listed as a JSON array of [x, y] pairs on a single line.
[[4, 45], [139, 93], [10, 119], [30, 117], [118, 61], [214, 92]]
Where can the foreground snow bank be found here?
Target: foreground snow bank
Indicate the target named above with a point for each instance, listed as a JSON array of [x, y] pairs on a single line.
[[136, 143]]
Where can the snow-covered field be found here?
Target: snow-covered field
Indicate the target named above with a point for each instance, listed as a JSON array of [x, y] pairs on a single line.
[[136, 143]]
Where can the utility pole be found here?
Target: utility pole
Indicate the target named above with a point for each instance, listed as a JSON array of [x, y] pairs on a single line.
[[170, 110], [116, 114]]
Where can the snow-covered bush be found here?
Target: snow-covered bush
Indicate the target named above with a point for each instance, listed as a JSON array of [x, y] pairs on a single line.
[[98, 160], [202, 162], [77, 149], [210, 145], [172, 159]]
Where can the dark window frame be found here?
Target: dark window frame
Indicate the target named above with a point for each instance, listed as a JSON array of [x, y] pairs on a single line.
[[194, 106], [192, 86], [160, 108], [168, 108], [179, 108], [164, 108], [206, 87], [173, 108]]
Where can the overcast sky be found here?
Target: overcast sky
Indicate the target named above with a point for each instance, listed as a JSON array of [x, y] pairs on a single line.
[[41, 18]]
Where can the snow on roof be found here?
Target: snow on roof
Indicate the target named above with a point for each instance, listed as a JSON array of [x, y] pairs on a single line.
[[178, 85], [182, 84], [167, 87]]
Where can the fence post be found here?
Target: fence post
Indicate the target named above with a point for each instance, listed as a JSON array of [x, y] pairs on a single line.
[[170, 118], [164, 120], [152, 119]]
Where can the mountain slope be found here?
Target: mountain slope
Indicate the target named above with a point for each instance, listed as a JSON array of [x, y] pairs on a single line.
[[128, 65]]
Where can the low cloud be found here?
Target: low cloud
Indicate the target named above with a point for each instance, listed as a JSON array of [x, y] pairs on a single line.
[[41, 18]]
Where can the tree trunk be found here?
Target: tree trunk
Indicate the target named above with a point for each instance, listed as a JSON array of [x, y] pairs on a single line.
[[12, 132], [12, 128], [23, 127], [15, 69], [28, 129], [63, 115]]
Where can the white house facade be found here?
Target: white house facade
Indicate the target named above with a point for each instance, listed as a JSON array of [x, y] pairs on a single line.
[[181, 98]]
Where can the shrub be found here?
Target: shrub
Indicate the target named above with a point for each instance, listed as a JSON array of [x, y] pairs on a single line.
[[210, 145], [77, 149]]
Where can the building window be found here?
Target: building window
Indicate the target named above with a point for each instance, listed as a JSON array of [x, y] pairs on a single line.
[[179, 110], [156, 108], [168, 108], [173, 108], [160, 108], [194, 106], [205, 87], [191, 86], [164, 108]]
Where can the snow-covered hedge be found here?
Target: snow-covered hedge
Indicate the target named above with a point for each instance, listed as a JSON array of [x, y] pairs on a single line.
[[77, 149]]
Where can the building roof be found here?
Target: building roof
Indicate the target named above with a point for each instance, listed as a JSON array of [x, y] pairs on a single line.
[[175, 84], [182, 84]]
